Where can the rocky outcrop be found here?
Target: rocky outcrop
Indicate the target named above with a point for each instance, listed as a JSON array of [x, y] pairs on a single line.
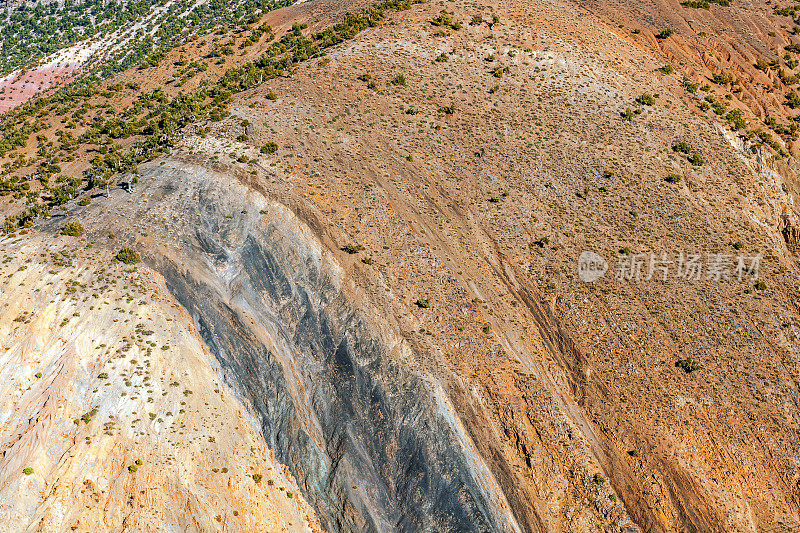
[[373, 441], [112, 417]]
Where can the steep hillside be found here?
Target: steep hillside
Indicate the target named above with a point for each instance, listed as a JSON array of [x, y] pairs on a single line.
[[360, 247]]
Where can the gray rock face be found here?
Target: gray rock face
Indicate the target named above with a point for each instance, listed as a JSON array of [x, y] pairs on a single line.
[[373, 442]]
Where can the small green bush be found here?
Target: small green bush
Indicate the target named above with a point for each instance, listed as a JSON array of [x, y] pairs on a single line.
[[696, 159], [399, 80], [257, 478], [690, 86], [688, 365], [352, 248], [682, 147], [722, 78], [599, 479], [28, 471], [665, 34], [269, 148], [736, 119], [646, 99], [133, 468], [422, 303], [73, 229], [129, 256], [272, 96], [673, 178]]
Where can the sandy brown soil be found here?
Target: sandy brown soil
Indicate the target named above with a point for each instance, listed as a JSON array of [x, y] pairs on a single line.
[[478, 192]]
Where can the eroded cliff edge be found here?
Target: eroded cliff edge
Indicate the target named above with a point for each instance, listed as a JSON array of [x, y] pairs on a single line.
[[372, 438]]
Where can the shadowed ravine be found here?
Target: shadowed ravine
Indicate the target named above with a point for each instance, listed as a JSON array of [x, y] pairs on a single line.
[[374, 444]]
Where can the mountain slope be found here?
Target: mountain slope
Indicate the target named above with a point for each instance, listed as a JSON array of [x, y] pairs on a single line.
[[379, 249]]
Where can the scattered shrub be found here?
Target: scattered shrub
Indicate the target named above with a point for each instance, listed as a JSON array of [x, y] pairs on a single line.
[[627, 114], [688, 365], [129, 256], [792, 100], [444, 19], [696, 159], [422, 303], [646, 99], [722, 78], [690, 86], [736, 120], [352, 248], [28, 471], [673, 178], [73, 229], [682, 147]]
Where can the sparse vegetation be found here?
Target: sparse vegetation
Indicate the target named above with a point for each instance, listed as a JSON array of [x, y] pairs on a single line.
[[696, 159], [445, 19], [129, 256], [73, 229], [646, 99], [664, 34], [352, 248], [688, 365], [682, 147]]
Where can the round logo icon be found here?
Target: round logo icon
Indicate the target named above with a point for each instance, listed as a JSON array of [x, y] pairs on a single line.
[[591, 266]]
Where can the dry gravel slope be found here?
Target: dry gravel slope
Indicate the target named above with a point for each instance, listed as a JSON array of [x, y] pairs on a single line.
[[563, 397], [111, 398]]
